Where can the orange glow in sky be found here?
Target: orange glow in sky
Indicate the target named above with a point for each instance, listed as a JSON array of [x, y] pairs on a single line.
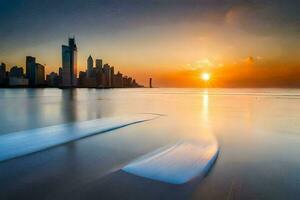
[[205, 76], [245, 44]]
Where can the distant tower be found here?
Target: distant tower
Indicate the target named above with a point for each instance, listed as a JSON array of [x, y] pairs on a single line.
[[2, 74], [98, 63], [107, 75], [69, 64], [90, 65], [112, 73], [150, 83], [30, 69], [39, 78]]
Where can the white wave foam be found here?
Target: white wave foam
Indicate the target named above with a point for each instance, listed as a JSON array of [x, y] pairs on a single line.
[[29, 141], [176, 164]]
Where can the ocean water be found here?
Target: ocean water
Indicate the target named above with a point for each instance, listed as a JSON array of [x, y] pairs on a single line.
[[258, 132]]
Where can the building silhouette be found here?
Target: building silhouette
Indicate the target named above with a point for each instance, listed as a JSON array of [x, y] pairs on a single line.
[[16, 77], [30, 69], [89, 77], [106, 76], [118, 80], [3, 76], [35, 72], [16, 71], [112, 73], [127, 81], [99, 64], [103, 76], [69, 64], [39, 78], [53, 79], [96, 76], [90, 66], [99, 72]]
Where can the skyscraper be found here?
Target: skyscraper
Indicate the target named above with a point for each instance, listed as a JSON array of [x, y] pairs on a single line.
[[90, 65], [99, 73], [98, 63], [39, 78], [112, 73], [2, 73], [30, 69], [107, 76], [69, 64]]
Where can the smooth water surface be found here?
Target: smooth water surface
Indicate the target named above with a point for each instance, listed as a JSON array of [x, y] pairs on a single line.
[[258, 132]]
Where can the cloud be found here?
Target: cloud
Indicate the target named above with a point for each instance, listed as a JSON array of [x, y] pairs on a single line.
[[205, 63], [264, 17], [250, 60]]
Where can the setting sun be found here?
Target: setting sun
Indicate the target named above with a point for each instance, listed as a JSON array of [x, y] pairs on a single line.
[[205, 76]]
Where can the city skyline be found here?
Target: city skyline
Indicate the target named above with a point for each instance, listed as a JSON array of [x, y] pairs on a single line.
[[100, 76], [166, 40], [149, 99]]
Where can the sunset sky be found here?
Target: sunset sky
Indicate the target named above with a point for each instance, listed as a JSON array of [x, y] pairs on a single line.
[[172, 41]]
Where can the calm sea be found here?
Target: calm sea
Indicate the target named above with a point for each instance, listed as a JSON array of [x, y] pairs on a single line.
[[258, 131]]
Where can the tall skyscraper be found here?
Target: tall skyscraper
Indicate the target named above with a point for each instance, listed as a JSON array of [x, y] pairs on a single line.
[[39, 78], [30, 69], [69, 64], [98, 63], [2, 73], [99, 73], [107, 76], [90, 65], [112, 73]]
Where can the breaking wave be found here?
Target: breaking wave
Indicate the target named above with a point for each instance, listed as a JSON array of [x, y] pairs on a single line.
[[21, 143]]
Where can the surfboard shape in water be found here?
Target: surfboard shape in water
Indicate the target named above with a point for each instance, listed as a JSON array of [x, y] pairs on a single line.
[[21, 143], [176, 164]]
